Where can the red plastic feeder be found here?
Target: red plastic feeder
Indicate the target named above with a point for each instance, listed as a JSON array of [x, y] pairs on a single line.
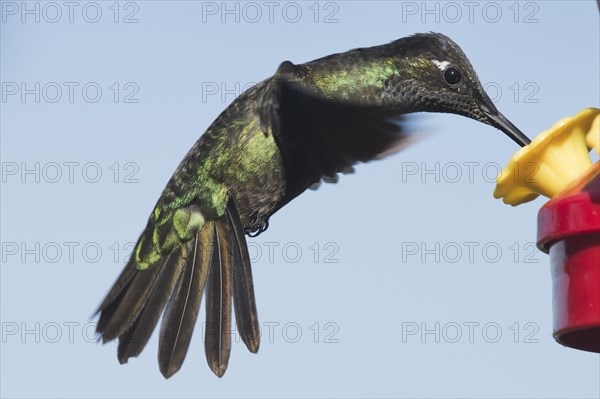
[[569, 230]]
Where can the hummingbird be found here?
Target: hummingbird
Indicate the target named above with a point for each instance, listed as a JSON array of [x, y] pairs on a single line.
[[305, 124]]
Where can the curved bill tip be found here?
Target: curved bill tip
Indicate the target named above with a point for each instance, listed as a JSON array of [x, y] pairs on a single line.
[[502, 123]]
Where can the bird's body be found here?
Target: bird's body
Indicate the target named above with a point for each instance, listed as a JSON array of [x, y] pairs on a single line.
[[306, 123]]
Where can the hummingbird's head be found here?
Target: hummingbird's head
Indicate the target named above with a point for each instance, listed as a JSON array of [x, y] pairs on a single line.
[[434, 75]]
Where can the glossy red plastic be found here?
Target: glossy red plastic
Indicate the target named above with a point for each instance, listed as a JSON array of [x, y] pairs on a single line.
[[569, 230]]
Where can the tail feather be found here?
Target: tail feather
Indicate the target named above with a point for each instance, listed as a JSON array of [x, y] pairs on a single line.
[[115, 323], [246, 317], [119, 286], [107, 311], [218, 302], [182, 311], [135, 339]]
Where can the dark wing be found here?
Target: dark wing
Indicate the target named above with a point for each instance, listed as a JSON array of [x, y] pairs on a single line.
[[320, 137]]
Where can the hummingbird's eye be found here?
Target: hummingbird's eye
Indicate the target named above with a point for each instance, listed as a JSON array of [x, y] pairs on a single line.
[[452, 76]]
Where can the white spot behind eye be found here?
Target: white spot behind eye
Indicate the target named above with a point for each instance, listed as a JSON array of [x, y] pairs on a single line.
[[441, 64]]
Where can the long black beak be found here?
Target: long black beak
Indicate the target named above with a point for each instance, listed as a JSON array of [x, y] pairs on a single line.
[[498, 120]]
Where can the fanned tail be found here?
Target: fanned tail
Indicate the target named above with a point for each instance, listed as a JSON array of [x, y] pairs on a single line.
[[216, 257]]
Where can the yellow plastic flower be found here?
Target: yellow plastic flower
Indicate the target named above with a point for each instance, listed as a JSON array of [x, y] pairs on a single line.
[[552, 161]]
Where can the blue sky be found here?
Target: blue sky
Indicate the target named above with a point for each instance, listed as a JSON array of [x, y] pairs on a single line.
[[406, 279]]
